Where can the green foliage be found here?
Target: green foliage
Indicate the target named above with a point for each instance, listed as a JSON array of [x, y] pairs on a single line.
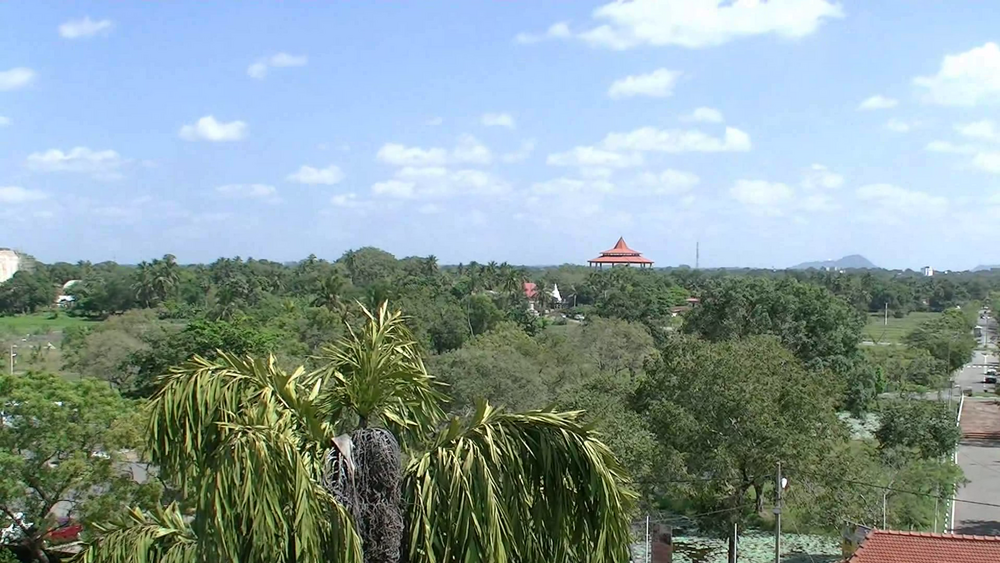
[[819, 328], [63, 442], [26, 292], [247, 440], [927, 428], [731, 410], [947, 338]]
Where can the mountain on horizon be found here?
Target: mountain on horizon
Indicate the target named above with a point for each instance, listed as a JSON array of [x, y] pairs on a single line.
[[985, 267], [852, 262]]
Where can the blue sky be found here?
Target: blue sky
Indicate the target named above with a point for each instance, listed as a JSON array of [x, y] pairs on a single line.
[[772, 132]]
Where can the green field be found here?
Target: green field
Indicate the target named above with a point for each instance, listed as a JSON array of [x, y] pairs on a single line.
[[39, 323], [894, 332]]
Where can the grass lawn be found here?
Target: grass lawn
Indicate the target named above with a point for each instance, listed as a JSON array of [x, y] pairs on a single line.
[[894, 332], [39, 323]]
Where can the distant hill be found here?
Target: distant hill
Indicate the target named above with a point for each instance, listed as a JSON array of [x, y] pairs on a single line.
[[985, 267], [852, 262]]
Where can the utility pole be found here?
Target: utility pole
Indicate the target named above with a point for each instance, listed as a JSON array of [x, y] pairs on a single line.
[[886, 322], [12, 346], [777, 517], [647, 558], [697, 254]]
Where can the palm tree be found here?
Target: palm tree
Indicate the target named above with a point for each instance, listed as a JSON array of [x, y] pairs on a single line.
[[308, 467], [328, 293]]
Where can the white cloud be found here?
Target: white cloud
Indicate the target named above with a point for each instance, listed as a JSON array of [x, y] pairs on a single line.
[[762, 196], [985, 130], [434, 121], [77, 29], [677, 141], [948, 147], [104, 164], [4, 121], [900, 200], [17, 194], [430, 209], [696, 23], [818, 202], [668, 182], [987, 161], [899, 126], [572, 186], [262, 192], [209, 129], [559, 30], [498, 120], [261, 66], [965, 79], [308, 175], [15, 78], [439, 182], [468, 150], [878, 102], [818, 176], [527, 147], [593, 156], [657, 84], [349, 200], [704, 115]]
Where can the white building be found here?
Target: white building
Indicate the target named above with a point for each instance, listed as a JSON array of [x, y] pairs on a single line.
[[927, 271], [10, 263]]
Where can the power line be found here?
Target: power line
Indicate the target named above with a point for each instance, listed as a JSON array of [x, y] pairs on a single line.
[[916, 493]]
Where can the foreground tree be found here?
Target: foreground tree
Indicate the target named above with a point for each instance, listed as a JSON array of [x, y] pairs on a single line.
[[302, 467], [732, 410], [61, 445]]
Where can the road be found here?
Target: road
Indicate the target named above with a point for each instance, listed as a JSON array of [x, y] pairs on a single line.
[[979, 459]]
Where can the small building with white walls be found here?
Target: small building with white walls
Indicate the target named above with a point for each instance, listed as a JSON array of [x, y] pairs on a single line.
[[10, 263], [927, 271]]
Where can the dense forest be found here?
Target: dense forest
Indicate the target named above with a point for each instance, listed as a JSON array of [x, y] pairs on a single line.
[[697, 398]]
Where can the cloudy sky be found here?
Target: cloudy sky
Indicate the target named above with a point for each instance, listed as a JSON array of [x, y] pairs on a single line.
[[773, 132]]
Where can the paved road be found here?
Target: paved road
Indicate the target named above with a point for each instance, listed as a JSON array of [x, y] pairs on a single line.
[[981, 463], [979, 459]]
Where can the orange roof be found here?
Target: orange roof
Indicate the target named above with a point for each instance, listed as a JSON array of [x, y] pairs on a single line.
[[620, 249], [621, 254], [888, 546]]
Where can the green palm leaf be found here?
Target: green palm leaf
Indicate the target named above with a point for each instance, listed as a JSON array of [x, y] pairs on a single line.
[[244, 441], [378, 375], [503, 487], [141, 537]]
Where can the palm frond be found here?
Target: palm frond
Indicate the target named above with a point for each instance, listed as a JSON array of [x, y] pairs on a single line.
[[536, 486], [244, 439], [141, 537], [379, 375]]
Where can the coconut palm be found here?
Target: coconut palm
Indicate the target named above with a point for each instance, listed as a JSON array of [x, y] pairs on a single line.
[[356, 462]]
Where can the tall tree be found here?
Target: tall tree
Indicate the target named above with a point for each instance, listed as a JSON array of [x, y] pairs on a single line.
[[296, 467], [732, 410], [61, 445]]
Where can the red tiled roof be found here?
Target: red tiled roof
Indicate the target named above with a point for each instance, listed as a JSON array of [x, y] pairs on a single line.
[[620, 249], [620, 254], [888, 546], [621, 260]]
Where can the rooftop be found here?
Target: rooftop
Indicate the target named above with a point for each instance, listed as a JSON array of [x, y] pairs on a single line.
[[888, 546], [621, 254]]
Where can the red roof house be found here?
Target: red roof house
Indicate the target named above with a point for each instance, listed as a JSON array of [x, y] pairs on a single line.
[[621, 255], [888, 546]]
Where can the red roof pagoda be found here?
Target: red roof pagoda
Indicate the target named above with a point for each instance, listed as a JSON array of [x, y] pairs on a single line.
[[621, 255]]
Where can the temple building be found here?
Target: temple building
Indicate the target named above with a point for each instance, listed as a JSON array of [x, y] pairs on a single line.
[[621, 255]]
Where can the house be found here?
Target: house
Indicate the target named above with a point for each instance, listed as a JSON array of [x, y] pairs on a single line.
[[927, 271], [10, 263], [890, 546]]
